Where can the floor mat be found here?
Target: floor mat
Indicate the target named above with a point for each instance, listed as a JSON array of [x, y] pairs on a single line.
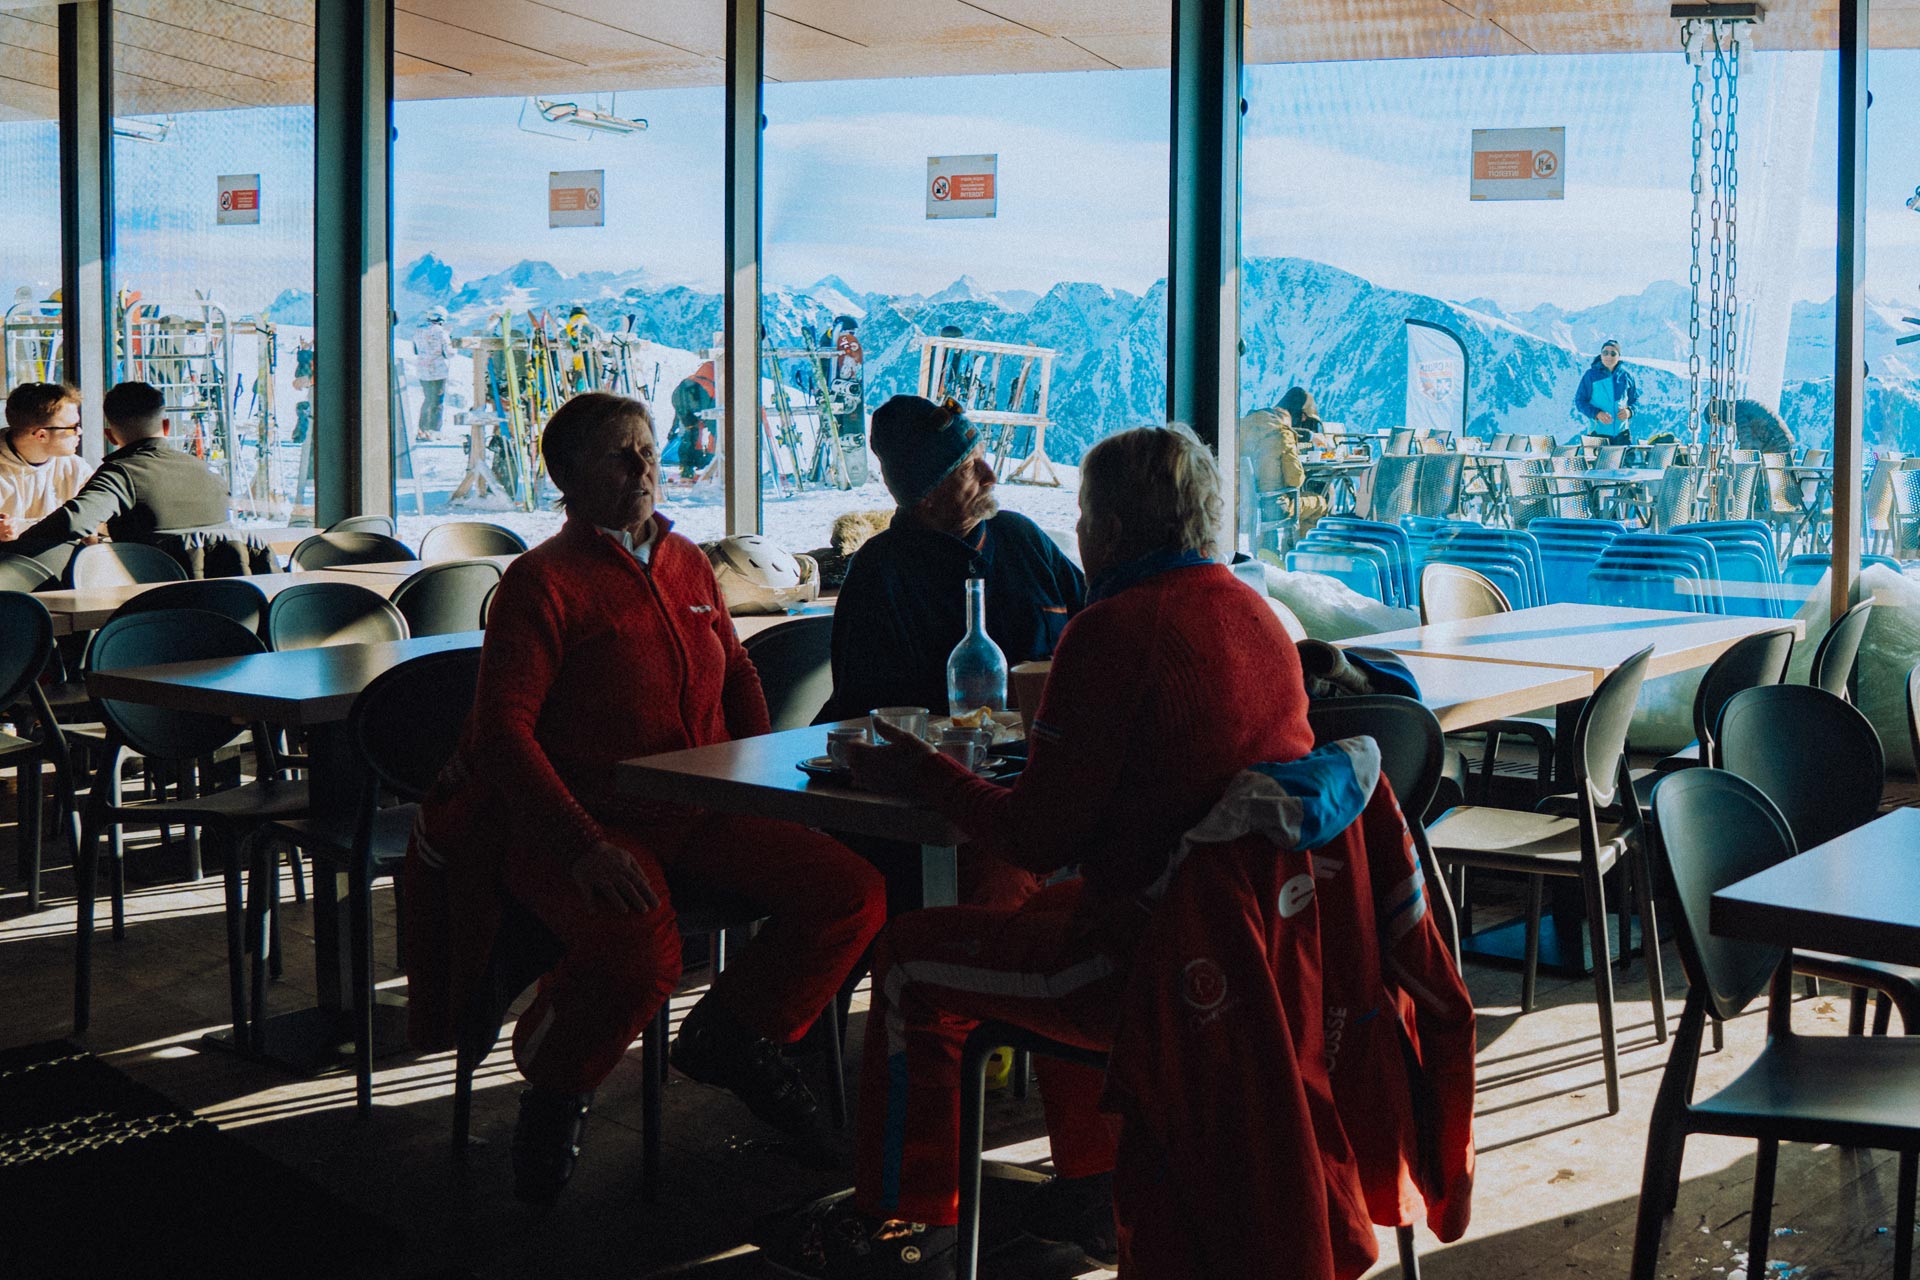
[[102, 1176]]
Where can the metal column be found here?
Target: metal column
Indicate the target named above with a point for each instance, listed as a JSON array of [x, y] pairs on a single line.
[[352, 287], [86, 208], [740, 366], [1203, 215], [1849, 312]]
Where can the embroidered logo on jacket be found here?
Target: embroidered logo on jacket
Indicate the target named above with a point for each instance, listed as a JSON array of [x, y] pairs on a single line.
[[699, 608]]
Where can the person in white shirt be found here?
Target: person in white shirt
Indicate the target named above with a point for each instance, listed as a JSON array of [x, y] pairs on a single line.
[[431, 347], [40, 462]]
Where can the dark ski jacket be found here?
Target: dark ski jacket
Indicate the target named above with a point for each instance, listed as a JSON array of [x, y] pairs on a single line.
[[903, 608], [1625, 390], [139, 490]]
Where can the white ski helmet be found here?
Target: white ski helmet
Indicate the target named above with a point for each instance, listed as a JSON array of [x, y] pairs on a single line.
[[756, 576]]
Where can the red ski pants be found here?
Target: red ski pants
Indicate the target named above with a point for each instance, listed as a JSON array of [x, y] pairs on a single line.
[[824, 901], [936, 975]]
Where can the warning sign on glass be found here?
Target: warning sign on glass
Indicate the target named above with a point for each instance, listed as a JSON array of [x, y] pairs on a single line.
[[577, 198], [1519, 164], [963, 186], [239, 199]]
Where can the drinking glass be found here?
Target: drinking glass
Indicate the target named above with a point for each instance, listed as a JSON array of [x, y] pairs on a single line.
[[912, 719]]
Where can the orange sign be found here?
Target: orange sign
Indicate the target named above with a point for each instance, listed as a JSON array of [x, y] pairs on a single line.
[[972, 186], [1508, 165]]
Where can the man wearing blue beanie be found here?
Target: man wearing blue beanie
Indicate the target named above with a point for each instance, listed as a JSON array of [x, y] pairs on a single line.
[[902, 609]]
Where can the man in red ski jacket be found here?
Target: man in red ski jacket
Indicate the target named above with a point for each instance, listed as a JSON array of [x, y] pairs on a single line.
[[607, 642]]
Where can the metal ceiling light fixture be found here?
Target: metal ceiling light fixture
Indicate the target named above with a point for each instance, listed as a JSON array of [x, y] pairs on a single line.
[[137, 129], [555, 112]]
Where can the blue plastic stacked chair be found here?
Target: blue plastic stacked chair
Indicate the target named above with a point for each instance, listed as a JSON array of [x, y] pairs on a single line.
[[1804, 569], [1421, 531], [1647, 570], [1568, 551], [1374, 533], [1510, 558], [1745, 548]]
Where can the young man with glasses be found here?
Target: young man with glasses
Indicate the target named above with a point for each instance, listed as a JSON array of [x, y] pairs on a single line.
[[40, 462]]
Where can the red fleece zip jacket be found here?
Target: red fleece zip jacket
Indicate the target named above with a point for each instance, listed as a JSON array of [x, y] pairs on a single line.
[[1158, 696], [592, 658]]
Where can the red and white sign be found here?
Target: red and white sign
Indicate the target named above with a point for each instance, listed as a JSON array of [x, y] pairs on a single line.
[[963, 186], [239, 199], [1519, 164], [577, 198]]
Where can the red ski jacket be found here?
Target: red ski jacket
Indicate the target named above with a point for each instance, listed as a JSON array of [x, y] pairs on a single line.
[[1294, 1061]]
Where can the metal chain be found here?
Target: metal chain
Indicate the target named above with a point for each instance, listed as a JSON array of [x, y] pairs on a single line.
[[1693, 269], [1731, 344], [1716, 212]]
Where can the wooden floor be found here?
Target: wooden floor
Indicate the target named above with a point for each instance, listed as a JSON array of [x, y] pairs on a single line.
[[1555, 1196]]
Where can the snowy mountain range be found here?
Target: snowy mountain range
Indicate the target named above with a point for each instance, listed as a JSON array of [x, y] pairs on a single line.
[[1303, 322]]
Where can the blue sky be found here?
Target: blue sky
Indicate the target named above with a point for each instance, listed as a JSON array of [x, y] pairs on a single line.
[[1362, 165]]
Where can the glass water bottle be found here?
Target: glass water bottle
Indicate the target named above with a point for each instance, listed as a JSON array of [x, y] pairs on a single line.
[[976, 669]]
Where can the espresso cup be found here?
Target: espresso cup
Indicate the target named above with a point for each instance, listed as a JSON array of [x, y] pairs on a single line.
[[840, 739]]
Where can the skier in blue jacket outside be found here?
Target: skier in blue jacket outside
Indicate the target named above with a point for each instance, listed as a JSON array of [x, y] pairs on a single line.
[[1608, 393]]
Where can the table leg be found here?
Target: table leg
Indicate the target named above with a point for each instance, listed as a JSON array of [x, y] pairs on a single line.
[[939, 876]]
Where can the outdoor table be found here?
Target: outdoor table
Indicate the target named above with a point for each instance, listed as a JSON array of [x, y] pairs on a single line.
[[1856, 895], [1337, 474], [75, 611], [1606, 476], [756, 777], [1587, 638], [1505, 455], [310, 689]]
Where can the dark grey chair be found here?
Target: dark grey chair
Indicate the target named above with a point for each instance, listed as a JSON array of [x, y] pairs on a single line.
[[26, 644], [229, 820], [795, 662], [1820, 762], [1839, 649], [120, 564], [23, 573], [405, 726], [311, 615], [234, 598], [1412, 755], [445, 598], [382, 525], [469, 540], [1847, 1091], [1753, 662], [1584, 847], [325, 550]]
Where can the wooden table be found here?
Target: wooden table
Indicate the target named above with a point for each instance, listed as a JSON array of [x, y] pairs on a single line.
[[85, 610], [1463, 694], [1584, 637], [310, 689], [1857, 895], [757, 777]]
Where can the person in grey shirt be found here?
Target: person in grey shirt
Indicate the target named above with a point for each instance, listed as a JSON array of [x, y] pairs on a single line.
[[144, 486]]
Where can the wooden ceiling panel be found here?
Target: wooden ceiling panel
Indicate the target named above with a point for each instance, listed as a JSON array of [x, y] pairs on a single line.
[[548, 28], [204, 28], [698, 27], [968, 58], [879, 24]]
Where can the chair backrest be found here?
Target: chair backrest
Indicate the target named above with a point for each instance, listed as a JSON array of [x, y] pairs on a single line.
[[1451, 592], [23, 573], [1396, 479], [234, 598], [445, 598], [486, 605], [313, 615], [407, 722], [1673, 504], [1834, 656], [324, 550], [1412, 748], [795, 662], [161, 636], [469, 540], [1400, 441], [1717, 829], [1529, 492], [121, 564], [1600, 734], [1814, 755], [382, 525], [1437, 492], [1752, 662], [26, 642]]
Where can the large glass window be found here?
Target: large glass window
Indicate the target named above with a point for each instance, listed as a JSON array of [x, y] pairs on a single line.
[[544, 245], [1046, 319], [30, 200], [213, 232]]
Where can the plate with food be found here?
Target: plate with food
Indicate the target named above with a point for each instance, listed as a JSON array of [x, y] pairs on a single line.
[[825, 768], [1005, 725]]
